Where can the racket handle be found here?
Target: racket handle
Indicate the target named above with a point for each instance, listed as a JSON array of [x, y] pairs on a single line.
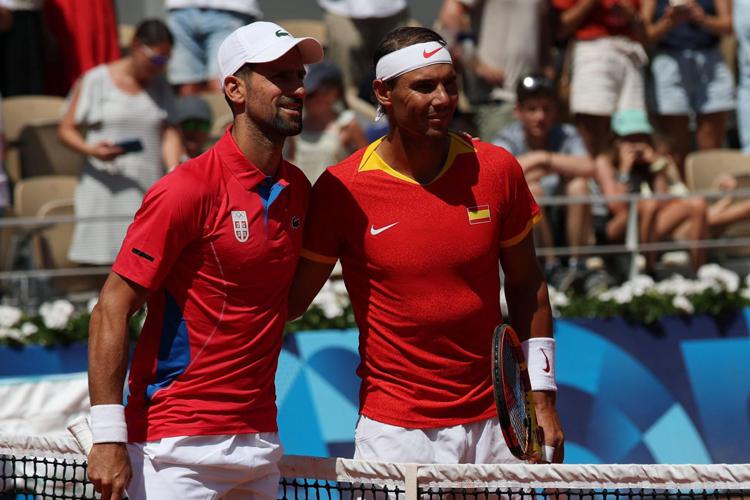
[[81, 430]]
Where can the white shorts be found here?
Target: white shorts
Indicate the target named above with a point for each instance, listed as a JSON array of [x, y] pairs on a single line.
[[476, 443], [607, 76], [206, 467]]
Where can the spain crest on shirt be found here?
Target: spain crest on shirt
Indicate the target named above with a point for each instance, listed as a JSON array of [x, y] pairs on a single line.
[[479, 214], [239, 221]]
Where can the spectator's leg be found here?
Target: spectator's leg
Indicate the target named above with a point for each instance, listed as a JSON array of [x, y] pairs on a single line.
[[647, 211], [693, 213], [542, 231], [187, 68], [595, 131], [578, 216], [676, 132], [711, 130]]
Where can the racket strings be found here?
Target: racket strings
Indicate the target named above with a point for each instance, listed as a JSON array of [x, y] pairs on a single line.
[[515, 397]]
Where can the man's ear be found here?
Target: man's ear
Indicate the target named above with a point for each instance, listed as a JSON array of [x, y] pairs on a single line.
[[235, 90], [382, 91]]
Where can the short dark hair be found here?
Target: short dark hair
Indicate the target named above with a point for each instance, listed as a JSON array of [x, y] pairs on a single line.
[[535, 85], [153, 32], [404, 37]]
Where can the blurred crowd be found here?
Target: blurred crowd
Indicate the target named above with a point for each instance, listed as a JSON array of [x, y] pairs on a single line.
[[596, 98]]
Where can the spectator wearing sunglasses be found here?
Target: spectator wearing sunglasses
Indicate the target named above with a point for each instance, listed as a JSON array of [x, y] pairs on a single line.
[[555, 163], [194, 123], [126, 108]]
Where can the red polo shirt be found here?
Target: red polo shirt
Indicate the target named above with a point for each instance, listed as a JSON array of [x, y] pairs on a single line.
[[421, 266], [216, 242]]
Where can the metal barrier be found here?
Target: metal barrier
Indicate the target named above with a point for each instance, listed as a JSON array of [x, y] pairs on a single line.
[[631, 246]]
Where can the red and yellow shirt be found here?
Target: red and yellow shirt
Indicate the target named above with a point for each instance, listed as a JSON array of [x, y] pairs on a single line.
[[216, 242], [420, 263]]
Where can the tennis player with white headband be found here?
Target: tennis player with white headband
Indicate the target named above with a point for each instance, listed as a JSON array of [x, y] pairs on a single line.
[[421, 221]]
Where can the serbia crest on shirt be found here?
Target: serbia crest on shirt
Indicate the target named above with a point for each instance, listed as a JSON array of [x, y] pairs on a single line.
[[239, 219]]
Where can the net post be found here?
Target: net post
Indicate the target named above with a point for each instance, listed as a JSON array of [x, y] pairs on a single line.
[[410, 481]]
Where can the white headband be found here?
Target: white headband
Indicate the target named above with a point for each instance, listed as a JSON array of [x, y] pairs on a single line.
[[408, 59]]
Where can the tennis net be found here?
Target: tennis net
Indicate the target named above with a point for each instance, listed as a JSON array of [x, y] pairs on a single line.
[[55, 468]]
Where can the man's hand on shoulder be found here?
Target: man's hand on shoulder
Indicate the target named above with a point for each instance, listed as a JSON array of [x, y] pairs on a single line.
[[109, 469]]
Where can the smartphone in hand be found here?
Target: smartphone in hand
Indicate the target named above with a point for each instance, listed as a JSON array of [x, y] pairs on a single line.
[[130, 145]]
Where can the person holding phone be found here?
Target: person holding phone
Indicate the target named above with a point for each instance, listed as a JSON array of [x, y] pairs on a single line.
[[127, 110]]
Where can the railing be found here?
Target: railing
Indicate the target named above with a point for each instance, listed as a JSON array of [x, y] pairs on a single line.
[[28, 226]]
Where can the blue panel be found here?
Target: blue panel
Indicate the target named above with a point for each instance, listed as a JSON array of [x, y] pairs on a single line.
[[299, 427], [674, 439], [174, 347], [336, 412], [574, 344], [611, 435], [37, 361], [719, 373], [576, 454], [287, 372]]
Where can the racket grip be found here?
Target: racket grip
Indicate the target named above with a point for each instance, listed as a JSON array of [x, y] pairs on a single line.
[[81, 431]]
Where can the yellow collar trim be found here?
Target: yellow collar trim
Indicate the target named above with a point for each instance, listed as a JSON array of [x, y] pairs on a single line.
[[371, 160]]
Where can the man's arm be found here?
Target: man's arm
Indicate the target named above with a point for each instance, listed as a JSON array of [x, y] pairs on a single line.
[[309, 278], [109, 467], [530, 314]]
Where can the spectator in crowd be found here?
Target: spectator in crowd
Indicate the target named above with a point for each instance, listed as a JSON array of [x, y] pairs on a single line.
[[741, 21], [354, 28], [126, 108], [637, 168], [512, 40], [555, 163], [607, 64], [193, 117], [22, 35], [688, 72], [199, 27], [330, 131], [83, 35]]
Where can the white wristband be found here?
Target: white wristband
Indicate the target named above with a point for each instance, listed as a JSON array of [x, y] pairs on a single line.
[[108, 424], [540, 358]]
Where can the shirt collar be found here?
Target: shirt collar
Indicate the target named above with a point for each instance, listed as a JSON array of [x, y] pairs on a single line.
[[371, 160], [245, 171]]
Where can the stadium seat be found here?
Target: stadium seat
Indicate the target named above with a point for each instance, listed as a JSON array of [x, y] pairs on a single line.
[[702, 167], [30, 194], [701, 170], [42, 153], [50, 249], [19, 112]]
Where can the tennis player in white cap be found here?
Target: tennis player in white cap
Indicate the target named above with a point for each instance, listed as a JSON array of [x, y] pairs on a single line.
[[212, 252]]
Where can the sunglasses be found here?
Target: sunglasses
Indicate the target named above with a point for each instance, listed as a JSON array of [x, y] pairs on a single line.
[[195, 125], [154, 57]]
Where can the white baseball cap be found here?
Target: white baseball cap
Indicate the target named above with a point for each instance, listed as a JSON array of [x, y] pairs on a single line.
[[262, 42]]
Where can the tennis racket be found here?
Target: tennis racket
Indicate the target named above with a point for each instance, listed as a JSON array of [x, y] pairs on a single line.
[[512, 389]]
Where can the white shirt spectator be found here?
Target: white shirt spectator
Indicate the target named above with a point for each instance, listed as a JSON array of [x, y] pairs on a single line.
[[250, 7], [363, 9]]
